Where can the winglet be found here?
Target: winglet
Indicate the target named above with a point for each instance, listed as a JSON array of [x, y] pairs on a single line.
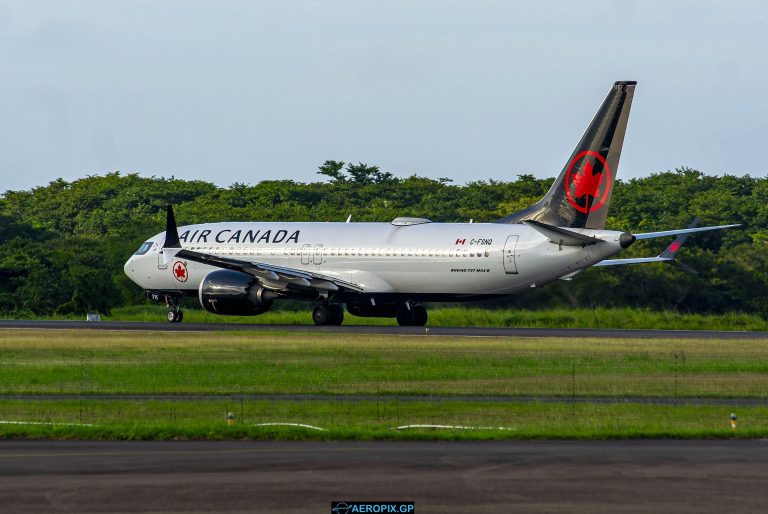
[[670, 252], [171, 232]]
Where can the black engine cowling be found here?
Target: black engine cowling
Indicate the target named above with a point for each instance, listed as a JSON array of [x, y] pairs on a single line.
[[234, 293]]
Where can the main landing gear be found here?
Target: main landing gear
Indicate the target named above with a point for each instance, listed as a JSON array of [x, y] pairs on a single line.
[[412, 315], [328, 314]]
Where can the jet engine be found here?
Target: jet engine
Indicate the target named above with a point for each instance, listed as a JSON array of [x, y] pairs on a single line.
[[234, 293]]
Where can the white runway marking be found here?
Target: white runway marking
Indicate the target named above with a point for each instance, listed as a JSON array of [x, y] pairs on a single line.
[[301, 425], [456, 427], [9, 422]]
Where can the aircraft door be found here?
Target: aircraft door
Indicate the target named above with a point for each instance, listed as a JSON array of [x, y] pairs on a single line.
[[161, 264], [306, 250], [317, 256], [510, 265]]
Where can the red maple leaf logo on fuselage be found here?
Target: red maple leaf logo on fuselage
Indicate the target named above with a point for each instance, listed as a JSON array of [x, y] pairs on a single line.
[[180, 272]]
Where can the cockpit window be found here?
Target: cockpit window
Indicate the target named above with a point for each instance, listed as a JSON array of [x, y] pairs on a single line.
[[144, 248]]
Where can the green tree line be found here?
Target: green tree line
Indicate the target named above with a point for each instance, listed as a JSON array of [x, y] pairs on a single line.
[[64, 244]]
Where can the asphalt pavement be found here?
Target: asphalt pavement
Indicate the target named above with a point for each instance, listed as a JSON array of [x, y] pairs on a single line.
[[384, 330], [440, 477]]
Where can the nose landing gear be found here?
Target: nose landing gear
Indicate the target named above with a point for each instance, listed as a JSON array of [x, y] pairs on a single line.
[[175, 316], [173, 302]]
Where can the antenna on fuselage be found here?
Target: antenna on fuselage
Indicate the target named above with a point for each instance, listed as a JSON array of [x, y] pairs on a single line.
[[349, 218]]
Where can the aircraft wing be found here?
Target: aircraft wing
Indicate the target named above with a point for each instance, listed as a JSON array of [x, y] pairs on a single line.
[[269, 275]]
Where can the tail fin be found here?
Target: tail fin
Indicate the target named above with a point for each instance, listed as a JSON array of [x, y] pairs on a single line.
[[581, 195]]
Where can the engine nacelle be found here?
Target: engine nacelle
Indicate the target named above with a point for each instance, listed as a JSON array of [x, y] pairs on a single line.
[[234, 293]]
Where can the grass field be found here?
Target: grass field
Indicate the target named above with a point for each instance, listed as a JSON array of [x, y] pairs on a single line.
[[481, 317], [394, 369], [372, 420]]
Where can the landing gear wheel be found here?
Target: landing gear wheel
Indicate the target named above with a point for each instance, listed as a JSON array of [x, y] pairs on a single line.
[[175, 316], [337, 314], [420, 315], [416, 316], [327, 314], [320, 314]]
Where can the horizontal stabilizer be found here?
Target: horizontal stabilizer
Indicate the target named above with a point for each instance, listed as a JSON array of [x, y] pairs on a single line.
[[637, 260], [670, 252], [561, 236], [652, 235]]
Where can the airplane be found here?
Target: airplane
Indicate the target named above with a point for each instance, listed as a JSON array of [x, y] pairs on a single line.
[[391, 269]]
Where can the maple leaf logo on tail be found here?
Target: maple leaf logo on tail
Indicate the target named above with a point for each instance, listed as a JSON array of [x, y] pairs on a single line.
[[588, 181]]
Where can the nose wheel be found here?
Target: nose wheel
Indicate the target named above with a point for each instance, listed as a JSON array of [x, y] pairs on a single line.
[[175, 316]]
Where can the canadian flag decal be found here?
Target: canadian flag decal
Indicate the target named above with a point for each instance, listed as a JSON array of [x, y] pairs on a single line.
[[461, 241]]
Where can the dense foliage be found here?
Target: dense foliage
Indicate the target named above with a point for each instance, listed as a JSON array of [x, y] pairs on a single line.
[[64, 244]]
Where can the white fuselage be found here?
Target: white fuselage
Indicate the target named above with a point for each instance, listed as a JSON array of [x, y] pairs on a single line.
[[429, 258]]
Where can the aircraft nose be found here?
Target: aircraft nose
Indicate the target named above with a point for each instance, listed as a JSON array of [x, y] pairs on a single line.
[[128, 268]]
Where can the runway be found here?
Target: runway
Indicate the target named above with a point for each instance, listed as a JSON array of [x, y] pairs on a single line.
[[440, 477], [383, 330]]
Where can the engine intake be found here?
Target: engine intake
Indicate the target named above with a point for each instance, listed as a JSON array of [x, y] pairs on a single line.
[[234, 293]]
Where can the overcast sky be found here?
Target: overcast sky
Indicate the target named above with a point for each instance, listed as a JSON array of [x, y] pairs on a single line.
[[246, 91]]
